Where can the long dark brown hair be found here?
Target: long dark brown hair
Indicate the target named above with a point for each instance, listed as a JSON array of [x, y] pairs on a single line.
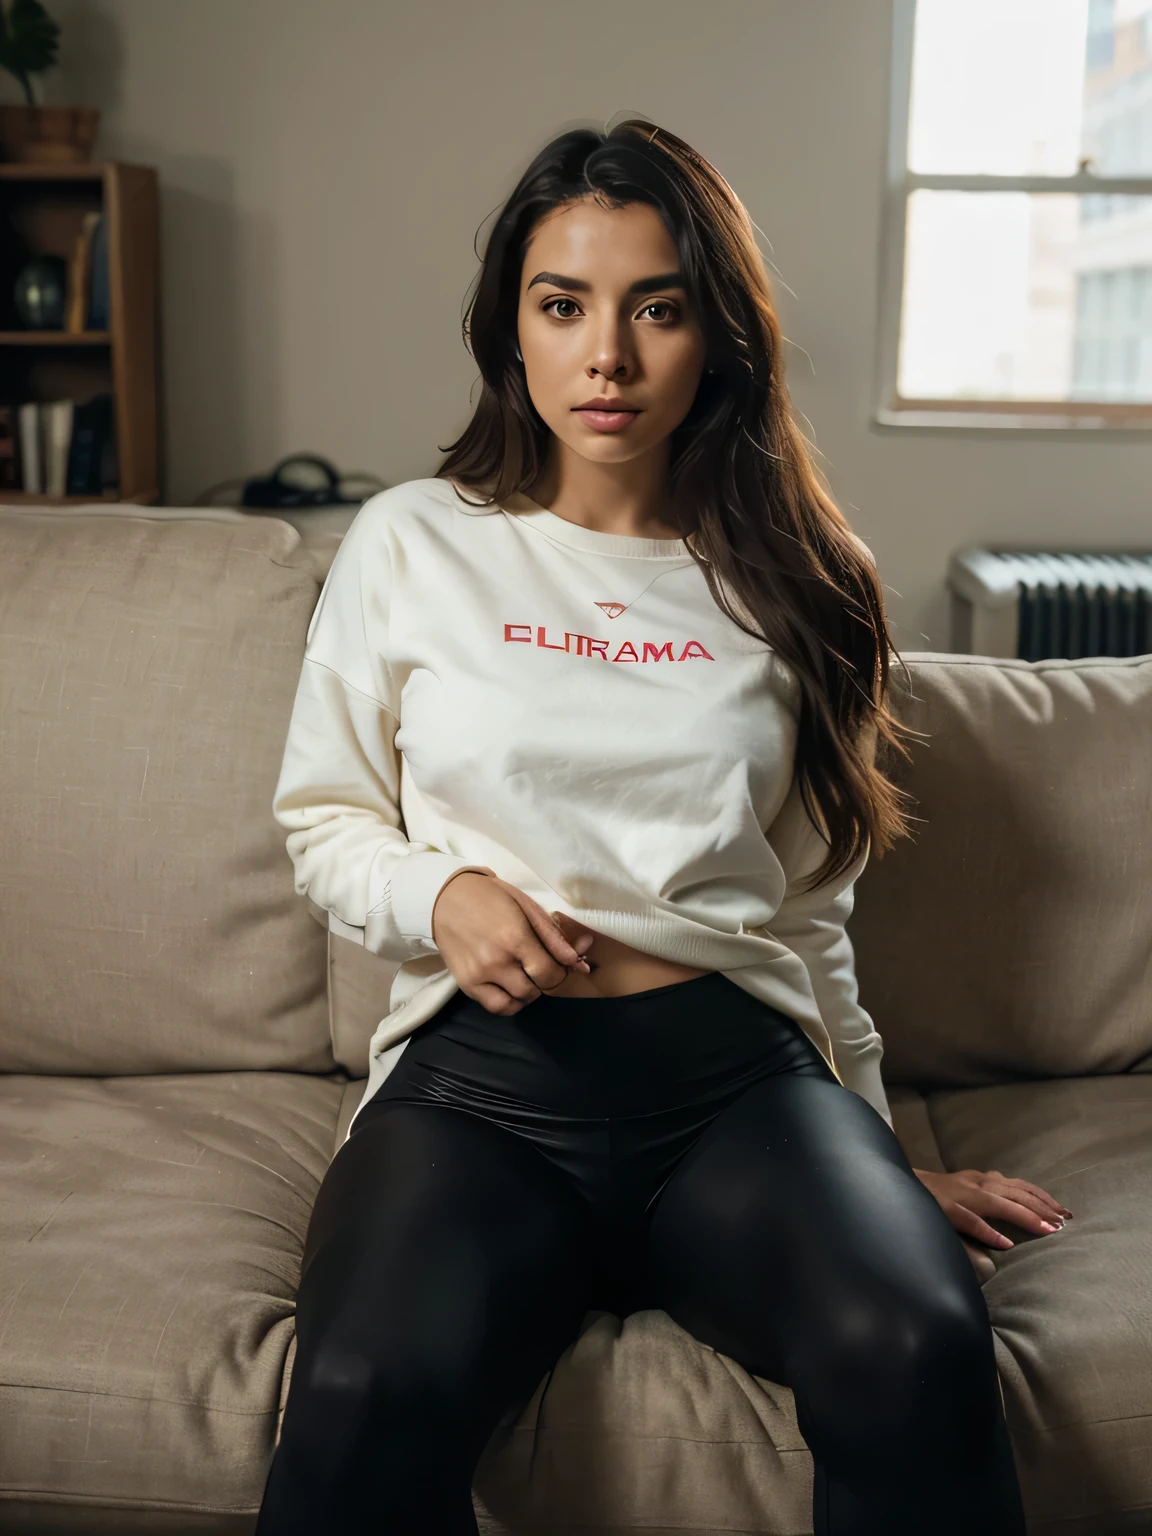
[[743, 489]]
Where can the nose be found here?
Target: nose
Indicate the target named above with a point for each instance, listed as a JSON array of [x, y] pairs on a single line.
[[608, 368], [609, 354]]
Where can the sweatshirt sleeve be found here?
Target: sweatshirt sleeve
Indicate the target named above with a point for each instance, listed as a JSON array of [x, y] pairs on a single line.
[[338, 795], [812, 925]]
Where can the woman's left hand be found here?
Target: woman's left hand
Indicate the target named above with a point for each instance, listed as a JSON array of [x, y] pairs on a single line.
[[968, 1197]]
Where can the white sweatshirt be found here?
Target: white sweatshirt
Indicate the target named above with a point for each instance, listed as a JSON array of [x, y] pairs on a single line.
[[505, 690]]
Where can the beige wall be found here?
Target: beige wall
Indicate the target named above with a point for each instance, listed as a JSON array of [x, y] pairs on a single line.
[[325, 168]]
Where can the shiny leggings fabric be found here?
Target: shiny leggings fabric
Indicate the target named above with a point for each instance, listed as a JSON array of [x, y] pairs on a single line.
[[685, 1148]]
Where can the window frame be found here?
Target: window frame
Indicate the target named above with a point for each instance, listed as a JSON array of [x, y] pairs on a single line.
[[1047, 416]]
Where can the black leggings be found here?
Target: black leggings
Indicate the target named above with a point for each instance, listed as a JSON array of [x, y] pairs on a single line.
[[685, 1148]]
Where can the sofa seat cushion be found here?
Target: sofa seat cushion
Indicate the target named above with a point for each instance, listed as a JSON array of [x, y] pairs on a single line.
[[641, 1429], [151, 1232], [1072, 1311]]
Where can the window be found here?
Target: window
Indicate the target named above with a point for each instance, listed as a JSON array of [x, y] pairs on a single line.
[[1017, 261]]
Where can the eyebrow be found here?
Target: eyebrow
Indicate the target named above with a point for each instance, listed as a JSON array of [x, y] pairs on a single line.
[[641, 285]]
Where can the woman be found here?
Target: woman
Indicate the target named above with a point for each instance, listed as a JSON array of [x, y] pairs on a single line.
[[570, 716]]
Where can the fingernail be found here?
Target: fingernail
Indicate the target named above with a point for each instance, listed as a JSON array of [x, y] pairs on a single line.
[[1049, 1226]]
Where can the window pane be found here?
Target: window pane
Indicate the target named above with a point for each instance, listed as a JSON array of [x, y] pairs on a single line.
[[1017, 296], [1028, 87], [1117, 129]]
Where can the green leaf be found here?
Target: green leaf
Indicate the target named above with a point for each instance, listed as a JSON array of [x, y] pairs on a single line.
[[29, 39]]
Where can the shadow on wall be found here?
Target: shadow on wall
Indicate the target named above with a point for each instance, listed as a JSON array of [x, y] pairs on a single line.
[[221, 339]]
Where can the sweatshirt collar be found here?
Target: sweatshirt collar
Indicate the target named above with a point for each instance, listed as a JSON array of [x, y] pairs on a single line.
[[576, 536]]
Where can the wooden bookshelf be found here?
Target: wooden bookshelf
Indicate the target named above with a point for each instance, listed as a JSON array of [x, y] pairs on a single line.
[[55, 338], [42, 209]]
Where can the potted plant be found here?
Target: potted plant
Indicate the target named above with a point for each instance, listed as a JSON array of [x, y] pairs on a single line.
[[29, 39]]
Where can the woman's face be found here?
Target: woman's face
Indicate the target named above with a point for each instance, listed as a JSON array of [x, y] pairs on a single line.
[[585, 331]]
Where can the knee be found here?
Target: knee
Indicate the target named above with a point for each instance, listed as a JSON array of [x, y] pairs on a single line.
[[878, 1365], [334, 1390], [380, 1382]]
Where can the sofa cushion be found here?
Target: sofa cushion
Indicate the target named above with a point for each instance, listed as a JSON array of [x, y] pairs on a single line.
[[353, 1093], [148, 916], [1010, 937], [1072, 1310], [641, 1429], [359, 987], [151, 1232]]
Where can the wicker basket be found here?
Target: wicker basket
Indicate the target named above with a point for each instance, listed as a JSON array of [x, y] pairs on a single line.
[[48, 135]]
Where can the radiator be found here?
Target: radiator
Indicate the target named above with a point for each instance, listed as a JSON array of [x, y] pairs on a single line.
[[1036, 605]]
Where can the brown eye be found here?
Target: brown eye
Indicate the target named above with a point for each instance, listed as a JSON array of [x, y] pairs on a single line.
[[547, 307]]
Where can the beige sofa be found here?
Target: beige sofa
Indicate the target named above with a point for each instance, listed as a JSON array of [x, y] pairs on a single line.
[[183, 1044]]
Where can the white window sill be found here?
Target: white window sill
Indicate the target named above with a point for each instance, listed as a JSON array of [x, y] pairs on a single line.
[[1060, 419]]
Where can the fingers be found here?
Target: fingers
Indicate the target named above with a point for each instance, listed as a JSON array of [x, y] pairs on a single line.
[[510, 979], [493, 998], [578, 934], [509, 967], [580, 937], [967, 1219], [968, 1223], [1042, 1195], [542, 971], [1015, 1195], [991, 1194], [512, 986], [548, 932], [1044, 1214]]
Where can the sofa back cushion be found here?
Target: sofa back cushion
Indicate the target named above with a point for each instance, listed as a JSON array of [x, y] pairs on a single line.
[[148, 920], [360, 990], [1012, 937]]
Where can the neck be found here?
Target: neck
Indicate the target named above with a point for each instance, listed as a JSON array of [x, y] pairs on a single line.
[[630, 499]]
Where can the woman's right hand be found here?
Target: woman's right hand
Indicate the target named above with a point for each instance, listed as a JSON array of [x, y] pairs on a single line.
[[500, 945]]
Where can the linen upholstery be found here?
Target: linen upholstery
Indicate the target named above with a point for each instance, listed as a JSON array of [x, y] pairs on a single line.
[[359, 986], [152, 1229], [1011, 939], [147, 671]]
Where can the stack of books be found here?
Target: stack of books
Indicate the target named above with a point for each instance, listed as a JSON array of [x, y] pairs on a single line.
[[59, 447], [64, 448]]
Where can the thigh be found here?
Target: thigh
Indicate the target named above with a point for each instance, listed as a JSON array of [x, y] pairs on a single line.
[[443, 1254], [795, 1227]]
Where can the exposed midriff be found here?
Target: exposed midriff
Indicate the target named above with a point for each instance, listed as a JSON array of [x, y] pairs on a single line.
[[620, 969]]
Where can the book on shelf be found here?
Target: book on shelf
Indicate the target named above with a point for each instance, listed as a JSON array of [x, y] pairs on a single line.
[[93, 273], [60, 448], [81, 272], [9, 453]]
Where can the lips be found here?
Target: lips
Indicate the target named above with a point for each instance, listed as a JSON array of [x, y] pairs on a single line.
[[605, 403], [606, 421]]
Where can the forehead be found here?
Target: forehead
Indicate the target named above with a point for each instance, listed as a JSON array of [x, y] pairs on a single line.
[[587, 240]]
